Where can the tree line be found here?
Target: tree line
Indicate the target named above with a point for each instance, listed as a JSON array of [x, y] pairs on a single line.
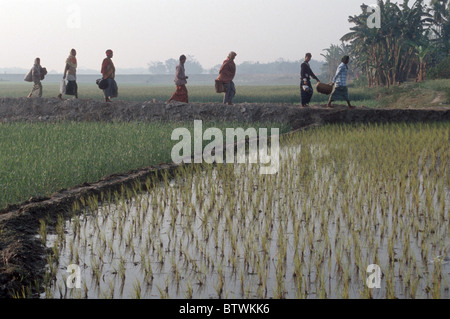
[[192, 66], [410, 41]]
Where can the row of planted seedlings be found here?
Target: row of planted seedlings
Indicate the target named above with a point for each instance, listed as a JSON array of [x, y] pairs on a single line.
[[344, 198]]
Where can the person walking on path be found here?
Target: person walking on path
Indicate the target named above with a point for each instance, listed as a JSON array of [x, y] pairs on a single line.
[[36, 75], [340, 91], [181, 92], [306, 88], [70, 71], [109, 74], [226, 75]]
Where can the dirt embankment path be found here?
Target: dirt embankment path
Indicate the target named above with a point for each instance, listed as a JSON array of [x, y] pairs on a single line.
[[21, 254], [23, 109]]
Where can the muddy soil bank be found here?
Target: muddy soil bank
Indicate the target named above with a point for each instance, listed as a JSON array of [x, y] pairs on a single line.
[[21, 254], [33, 110], [22, 261]]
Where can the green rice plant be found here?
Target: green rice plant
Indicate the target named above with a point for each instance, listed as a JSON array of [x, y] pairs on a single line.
[[220, 282], [122, 268], [43, 231], [226, 228], [189, 291], [137, 290], [41, 164]]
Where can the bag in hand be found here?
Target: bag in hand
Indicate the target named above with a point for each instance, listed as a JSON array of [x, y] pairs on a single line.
[[62, 87], [29, 76], [220, 88], [102, 84], [43, 73]]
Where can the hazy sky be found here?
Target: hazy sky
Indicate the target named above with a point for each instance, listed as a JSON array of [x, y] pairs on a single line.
[[141, 31]]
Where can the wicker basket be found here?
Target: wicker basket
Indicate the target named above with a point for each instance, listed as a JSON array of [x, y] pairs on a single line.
[[324, 88]]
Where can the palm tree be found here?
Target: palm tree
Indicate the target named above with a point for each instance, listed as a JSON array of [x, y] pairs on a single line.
[[421, 53], [383, 54], [333, 58], [362, 45], [441, 14]]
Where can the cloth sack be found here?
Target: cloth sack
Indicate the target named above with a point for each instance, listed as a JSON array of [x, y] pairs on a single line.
[[306, 88], [62, 87], [29, 76], [220, 88], [43, 73], [102, 84]]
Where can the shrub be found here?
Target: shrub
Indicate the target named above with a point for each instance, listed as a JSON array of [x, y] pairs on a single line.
[[441, 70]]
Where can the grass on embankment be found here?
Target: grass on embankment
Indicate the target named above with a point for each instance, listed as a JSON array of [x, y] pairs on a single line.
[[40, 158], [425, 94]]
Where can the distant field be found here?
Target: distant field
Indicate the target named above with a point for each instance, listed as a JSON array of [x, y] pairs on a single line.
[[428, 93], [145, 92]]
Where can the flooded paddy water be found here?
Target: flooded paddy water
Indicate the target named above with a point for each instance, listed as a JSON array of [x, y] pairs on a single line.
[[345, 197]]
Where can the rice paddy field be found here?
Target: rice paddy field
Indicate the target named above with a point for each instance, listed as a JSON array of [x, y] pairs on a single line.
[[197, 93], [345, 197], [38, 159]]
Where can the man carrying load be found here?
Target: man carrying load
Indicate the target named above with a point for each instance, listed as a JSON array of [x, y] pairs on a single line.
[[340, 91]]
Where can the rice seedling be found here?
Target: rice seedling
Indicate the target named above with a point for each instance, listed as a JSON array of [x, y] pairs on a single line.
[[137, 290], [43, 231], [308, 232]]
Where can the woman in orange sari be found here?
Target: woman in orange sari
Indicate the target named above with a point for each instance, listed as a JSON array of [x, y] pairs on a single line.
[[181, 92], [226, 75]]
